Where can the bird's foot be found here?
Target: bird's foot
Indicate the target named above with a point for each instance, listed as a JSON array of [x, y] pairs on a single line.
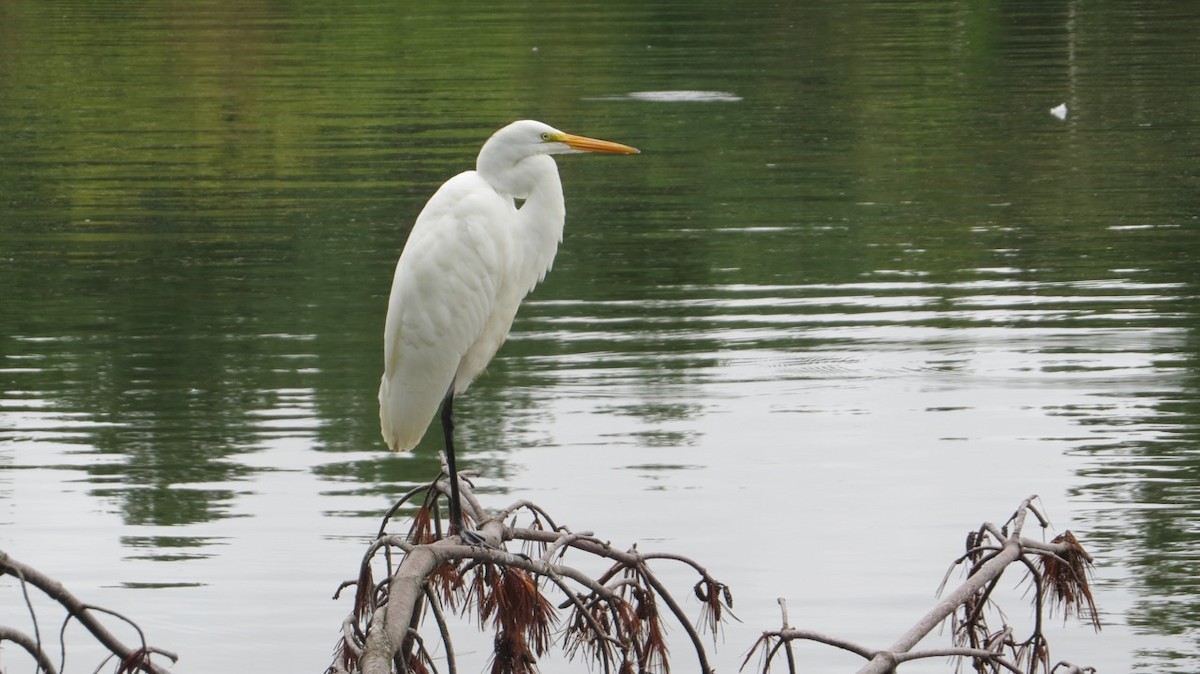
[[472, 537]]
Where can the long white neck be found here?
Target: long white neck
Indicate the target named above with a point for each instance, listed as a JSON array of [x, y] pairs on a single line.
[[517, 175], [539, 221]]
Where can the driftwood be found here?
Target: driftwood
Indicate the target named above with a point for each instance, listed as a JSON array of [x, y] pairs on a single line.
[[1058, 572], [128, 659], [615, 619]]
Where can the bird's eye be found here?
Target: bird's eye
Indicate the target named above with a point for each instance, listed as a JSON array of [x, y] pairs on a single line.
[[546, 136]]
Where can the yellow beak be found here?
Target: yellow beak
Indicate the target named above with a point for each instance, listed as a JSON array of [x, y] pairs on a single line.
[[585, 144]]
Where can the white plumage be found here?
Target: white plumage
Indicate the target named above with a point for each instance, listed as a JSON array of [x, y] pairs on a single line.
[[470, 259]]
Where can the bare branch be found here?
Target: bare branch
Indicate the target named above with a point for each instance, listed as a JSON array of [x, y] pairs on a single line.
[[959, 652], [615, 615], [611, 625], [787, 644], [30, 645], [1064, 566], [133, 659]]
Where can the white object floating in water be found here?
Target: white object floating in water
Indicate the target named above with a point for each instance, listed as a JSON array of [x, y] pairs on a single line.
[[674, 96], [1059, 111], [685, 96]]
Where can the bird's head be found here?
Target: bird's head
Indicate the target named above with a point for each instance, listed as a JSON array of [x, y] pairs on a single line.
[[516, 159], [527, 137]]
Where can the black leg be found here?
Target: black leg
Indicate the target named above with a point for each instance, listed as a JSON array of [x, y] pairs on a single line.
[[457, 525], [456, 518]]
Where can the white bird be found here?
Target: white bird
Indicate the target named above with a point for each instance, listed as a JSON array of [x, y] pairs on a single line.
[[473, 254]]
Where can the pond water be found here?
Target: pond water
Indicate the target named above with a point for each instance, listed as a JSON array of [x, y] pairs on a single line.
[[861, 292]]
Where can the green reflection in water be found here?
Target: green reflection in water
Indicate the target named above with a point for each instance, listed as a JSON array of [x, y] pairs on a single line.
[[202, 202]]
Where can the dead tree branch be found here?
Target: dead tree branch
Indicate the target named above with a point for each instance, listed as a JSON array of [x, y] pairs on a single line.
[[129, 659], [30, 645], [614, 620], [1058, 572]]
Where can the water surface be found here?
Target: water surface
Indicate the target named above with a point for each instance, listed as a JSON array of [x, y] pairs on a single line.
[[860, 292]]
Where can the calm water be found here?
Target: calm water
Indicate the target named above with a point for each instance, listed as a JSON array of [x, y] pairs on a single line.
[[860, 292]]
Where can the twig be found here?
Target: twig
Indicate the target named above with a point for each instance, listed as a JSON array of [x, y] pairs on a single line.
[[31, 646], [787, 644], [958, 652], [83, 613], [680, 616], [435, 607], [990, 550], [391, 512], [836, 642]]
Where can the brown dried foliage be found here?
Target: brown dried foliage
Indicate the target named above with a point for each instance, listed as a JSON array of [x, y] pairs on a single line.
[[1066, 579], [418, 663], [589, 636], [615, 622], [714, 598], [422, 530], [1060, 580], [136, 661], [520, 615], [652, 647], [630, 630], [638, 624]]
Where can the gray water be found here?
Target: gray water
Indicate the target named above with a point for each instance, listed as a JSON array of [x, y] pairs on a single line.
[[861, 292]]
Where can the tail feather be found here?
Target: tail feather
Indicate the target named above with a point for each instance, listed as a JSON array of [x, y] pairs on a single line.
[[404, 417]]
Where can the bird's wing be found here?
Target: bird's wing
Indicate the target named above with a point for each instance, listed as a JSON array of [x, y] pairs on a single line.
[[443, 293]]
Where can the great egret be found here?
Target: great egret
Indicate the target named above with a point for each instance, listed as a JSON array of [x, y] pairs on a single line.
[[472, 256]]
